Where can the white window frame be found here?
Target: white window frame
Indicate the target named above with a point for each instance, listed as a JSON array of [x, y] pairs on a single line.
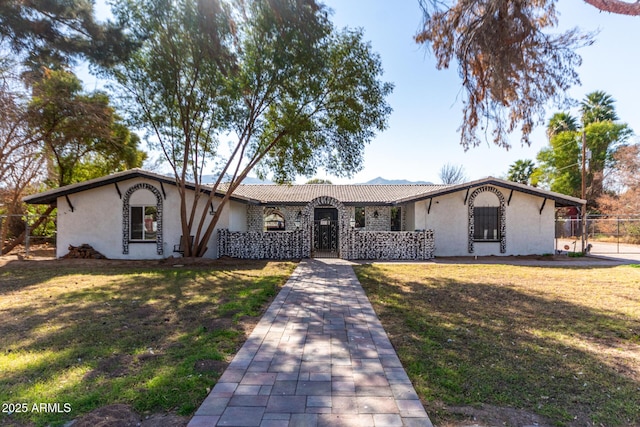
[[144, 231]]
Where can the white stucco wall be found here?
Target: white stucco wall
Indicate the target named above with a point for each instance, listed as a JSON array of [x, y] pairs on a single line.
[[97, 220], [527, 231], [237, 213], [410, 217]]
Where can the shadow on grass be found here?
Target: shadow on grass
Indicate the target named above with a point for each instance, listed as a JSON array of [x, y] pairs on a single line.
[[21, 274], [466, 342], [155, 338]]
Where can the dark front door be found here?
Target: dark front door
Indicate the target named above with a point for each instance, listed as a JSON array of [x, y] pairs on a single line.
[[325, 232]]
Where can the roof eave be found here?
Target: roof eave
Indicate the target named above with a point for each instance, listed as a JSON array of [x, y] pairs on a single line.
[[50, 197], [560, 199]]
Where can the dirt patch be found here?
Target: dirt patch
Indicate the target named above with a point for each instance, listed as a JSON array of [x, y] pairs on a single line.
[[488, 415], [124, 416], [164, 420], [111, 367], [112, 416], [218, 324], [210, 365], [248, 323]]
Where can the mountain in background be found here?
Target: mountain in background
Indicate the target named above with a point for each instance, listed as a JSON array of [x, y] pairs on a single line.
[[381, 181], [211, 179]]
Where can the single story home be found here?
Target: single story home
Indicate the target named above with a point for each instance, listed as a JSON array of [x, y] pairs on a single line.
[[135, 214]]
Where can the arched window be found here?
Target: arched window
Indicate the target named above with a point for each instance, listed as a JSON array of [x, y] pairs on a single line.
[[142, 216], [274, 220], [486, 218], [487, 221]]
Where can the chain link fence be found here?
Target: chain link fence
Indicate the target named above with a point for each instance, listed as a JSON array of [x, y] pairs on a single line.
[[28, 235], [605, 234]]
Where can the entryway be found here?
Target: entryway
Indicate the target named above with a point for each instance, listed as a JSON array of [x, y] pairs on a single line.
[[325, 233]]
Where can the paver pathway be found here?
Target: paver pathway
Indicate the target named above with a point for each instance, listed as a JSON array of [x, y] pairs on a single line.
[[318, 357]]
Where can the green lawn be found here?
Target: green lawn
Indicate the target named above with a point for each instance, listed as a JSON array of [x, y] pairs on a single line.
[[151, 336], [563, 343]]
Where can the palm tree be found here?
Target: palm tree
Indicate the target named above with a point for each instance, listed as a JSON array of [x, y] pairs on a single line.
[[521, 171], [561, 122], [559, 163], [598, 107]]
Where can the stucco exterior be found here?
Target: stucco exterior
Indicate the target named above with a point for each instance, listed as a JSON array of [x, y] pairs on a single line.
[[483, 217], [528, 231], [97, 219]]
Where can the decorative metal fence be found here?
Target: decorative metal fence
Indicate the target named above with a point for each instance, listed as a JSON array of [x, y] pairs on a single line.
[[604, 234], [28, 234]]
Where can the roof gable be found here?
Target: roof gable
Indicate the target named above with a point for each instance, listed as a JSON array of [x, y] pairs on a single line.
[[50, 196], [560, 199]]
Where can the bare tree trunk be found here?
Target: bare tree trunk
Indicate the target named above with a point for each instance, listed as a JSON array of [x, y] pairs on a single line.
[[4, 224], [20, 238]]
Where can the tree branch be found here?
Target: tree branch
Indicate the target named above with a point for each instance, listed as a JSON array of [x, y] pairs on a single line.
[[616, 6]]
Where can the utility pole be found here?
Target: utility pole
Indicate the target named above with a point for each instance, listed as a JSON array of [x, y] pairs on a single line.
[[584, 191]]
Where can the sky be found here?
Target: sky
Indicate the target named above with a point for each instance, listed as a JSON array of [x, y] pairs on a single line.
[[422, 133]]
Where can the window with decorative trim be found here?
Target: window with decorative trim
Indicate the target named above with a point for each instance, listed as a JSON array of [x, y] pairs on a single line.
[[396, 218], [274, 221], [135, 196], [486, 225], [144, 223], [359, 217]]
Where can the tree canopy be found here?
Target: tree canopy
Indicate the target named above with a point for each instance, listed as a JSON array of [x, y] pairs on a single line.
[[51, 33], [560, 163], [510, 61], [273, 78], [522, 171], [623, 196], [318, 181], [56, 134], [79, 133]]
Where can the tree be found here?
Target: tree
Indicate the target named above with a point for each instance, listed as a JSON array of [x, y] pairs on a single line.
[[623, 197], [52, 33], [288, 90], [20, 159], [559, 166], [14, 131], [598, 107], [616, 6], [26, 169], [509, 62], [79, 133], [451, 174], [319, 181], [521, 171], [561, 122], [76, 135], [560, 163]]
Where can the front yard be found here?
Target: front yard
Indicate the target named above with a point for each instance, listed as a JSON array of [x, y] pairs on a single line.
[[499, 343], [508, 343], [156, 337]]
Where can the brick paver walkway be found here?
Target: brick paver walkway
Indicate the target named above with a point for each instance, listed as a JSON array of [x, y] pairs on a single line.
[[318, 357]]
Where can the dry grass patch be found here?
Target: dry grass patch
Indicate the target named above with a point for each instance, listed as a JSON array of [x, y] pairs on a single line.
[[563, 343], [149, 335]]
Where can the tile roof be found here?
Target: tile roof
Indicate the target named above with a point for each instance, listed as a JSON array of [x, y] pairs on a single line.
[[303, 194], [348, 194]]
